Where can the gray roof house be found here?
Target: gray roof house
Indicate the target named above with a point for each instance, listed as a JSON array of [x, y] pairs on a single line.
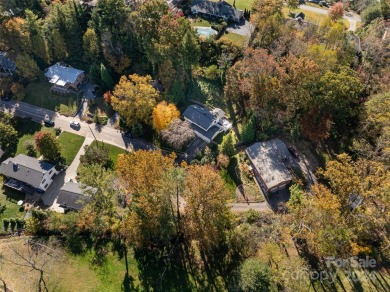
[[64, 78], [25, 173], [267, 162], [7, 66], [220, 9], [72, 197], [206, 124]]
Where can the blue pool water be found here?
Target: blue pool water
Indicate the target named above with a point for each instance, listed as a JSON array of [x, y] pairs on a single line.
[[205, 31]]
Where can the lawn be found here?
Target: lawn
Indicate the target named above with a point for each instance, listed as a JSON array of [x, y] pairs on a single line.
[[9, 199], [240, 4], [236, 39], [311, 16], [202, 22], [27, 130], [113, 150], [38, 93], [70, 144]]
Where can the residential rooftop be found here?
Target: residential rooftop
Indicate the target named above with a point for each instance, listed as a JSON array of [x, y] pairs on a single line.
[[25, 169], [72, 196], [61, 75], [267, 158]]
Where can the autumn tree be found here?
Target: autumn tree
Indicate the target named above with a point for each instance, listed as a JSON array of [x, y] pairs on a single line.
[[48, 146], [148, 195], [207, 215], [336, 11], [58, 45], [102, 190], [134, 99], [374, 141], [90, 45], [178, 134], [164, 114], [292, 4]]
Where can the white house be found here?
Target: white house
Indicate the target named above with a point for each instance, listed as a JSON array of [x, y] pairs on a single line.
[[25, 173], [206, 124]]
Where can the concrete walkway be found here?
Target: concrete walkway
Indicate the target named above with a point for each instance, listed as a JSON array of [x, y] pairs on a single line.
[[71, 171]]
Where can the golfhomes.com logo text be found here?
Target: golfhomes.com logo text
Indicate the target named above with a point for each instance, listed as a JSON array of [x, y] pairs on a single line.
[[336, 265]]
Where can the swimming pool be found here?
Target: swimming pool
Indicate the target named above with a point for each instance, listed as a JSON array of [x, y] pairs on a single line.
[[205, 31]]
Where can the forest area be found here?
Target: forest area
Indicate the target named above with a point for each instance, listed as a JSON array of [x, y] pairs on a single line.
[[154, 224]]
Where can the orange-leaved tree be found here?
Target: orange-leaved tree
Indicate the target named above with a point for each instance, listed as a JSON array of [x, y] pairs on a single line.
[[163, 114]]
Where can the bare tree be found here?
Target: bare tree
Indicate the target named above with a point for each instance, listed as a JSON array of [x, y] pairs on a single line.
[[37, 258], [178, 134]]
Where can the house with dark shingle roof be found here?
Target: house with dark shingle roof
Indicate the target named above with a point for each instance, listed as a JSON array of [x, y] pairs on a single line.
[[71, 196], [7, 66], [25, 173], [64, 78], [267, 164], [220, 9], [205, 123]]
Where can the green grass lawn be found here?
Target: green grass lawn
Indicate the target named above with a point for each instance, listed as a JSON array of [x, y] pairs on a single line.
[[38, 93], [202, 22], [27, 130], [311, 16], [236, 39], [113, 150], [70, 144], [9, 199], [240, 4]]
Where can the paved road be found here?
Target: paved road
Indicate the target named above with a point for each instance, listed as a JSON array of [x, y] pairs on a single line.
[[243, 207], [244, 28], [106, 134], [352, 17]]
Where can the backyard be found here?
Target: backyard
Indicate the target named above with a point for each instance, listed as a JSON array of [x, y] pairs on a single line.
[[70, 144], [8, 204], [38, 93]]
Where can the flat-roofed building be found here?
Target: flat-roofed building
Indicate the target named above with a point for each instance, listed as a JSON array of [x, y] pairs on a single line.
[[268, 166]]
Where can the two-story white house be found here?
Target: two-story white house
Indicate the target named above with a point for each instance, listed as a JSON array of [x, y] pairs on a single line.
[[205, 123], [25, 173]]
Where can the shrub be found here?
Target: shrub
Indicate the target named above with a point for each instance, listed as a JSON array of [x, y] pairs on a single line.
[[12, 223], [19, 223], [370, 13], [5, 223], [29, 145], [227, 146], [249, 130], [58, 131], [137, 130]]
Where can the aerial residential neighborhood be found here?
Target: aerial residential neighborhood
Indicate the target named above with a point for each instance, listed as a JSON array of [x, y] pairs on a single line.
[[194, 145]]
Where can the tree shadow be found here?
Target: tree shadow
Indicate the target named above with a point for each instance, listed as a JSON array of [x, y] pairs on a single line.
[[159, 271]]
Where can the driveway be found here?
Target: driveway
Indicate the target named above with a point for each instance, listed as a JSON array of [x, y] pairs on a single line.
[[352, 17], [243, 207], [71, 171], [244, 28]]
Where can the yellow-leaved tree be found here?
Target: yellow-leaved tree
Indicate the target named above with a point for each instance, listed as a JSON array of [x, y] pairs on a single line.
[[134, 99], [163, 114]]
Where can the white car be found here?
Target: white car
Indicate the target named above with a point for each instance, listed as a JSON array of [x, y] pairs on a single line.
[[74, 124]]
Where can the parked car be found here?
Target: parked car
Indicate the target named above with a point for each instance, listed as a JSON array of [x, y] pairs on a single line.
[[49, 123], [293, 151], [314, 1], [6, 97], [74, 124], [323, 3]]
